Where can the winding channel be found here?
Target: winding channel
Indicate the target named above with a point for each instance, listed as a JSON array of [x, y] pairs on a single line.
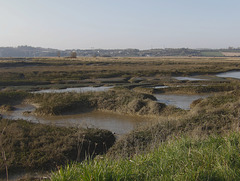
[[119, 124]]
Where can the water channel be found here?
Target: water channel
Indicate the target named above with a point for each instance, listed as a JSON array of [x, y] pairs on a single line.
[[180, 101], [230, 74], [189, 78], [76, 89], [119, 124]]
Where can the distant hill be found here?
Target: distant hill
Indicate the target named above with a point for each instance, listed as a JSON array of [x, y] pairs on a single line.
[[28, 51]]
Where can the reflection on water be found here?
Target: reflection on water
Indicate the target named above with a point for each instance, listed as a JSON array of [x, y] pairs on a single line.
[[188, 78], [180, 101], [161, 87], [76, 89], [231, 74], [119, 124]]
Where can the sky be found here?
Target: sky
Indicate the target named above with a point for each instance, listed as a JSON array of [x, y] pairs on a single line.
[[113, 24]]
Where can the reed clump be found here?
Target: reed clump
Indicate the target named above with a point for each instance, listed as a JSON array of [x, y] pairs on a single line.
[[120, 101]]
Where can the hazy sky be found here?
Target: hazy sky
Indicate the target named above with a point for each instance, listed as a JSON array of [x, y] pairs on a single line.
[[110, 24]]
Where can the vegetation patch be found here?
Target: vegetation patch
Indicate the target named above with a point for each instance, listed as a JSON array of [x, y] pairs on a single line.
[[215, 158], [11, 97], [213, 115], [157, 151], [212, 54], [5, 108], [43, 147], [46, 71], [120, 101], [198, 89], [165, 151]]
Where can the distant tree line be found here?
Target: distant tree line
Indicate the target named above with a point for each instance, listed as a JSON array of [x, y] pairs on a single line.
[[28, 51]]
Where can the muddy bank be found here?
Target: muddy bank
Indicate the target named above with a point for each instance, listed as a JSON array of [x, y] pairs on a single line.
[[119, 101], [31, 146]]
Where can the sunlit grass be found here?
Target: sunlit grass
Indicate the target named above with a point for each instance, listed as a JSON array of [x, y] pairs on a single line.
[[46, 70], [216, 158]]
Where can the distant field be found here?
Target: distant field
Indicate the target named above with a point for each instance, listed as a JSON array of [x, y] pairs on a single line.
[[212, 54], [46, 71], [231, 54]]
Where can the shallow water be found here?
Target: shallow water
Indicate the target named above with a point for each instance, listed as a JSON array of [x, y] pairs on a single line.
[[76, 89], [188, 78], [180, 101], [161, 87], [119, 124], [231, 74]]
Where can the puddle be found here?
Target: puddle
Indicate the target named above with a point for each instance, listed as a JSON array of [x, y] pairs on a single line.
[[161, 87], [230, 74], [180, 101], [188, 78], [119, 124]]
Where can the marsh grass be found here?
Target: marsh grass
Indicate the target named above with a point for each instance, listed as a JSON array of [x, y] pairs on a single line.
[[212, 54], [155, 152], [217, 114], [60, 103], [198, 89], [119, 101], [43, 147], [42, 71], [12, 97], [214, 158]]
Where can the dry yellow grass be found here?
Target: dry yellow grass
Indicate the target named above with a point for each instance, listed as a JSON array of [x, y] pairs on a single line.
[[166, 64]]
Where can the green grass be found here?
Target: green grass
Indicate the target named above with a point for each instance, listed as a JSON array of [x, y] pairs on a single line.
[[216, 158]]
